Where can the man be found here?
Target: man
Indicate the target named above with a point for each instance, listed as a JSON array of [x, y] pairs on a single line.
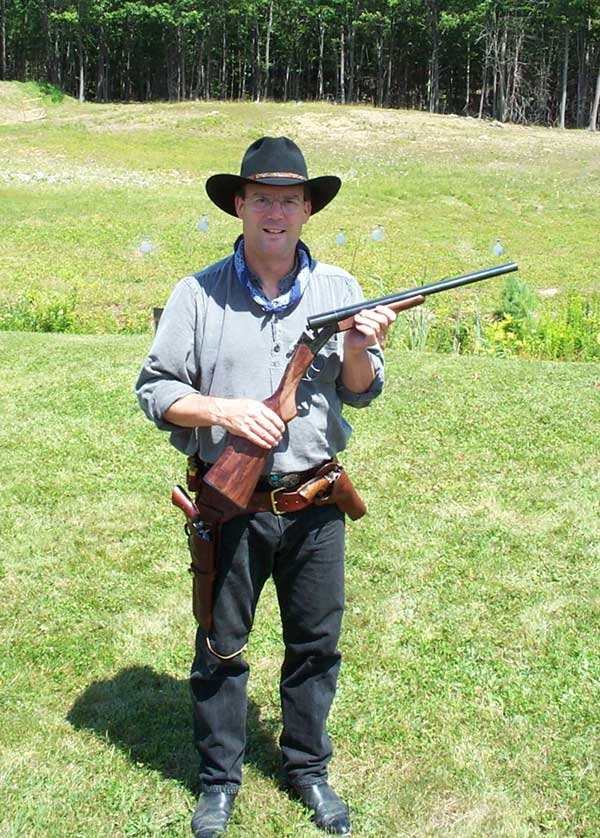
[[221, 348]]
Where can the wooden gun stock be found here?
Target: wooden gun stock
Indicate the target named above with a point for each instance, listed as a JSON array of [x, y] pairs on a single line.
[[238, 469]]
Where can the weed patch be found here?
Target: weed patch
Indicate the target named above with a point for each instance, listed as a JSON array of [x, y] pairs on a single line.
[[567, 329], [34, 313]]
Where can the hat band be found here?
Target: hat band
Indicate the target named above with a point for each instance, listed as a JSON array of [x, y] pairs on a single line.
[[263, 175]]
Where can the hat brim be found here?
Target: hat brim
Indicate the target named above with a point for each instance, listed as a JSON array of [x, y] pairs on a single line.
[[221, 189]]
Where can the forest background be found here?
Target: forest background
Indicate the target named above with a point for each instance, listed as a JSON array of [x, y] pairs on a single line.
[[523, 61]]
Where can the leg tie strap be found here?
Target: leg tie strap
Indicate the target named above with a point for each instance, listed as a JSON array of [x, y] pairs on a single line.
[[225, 657]]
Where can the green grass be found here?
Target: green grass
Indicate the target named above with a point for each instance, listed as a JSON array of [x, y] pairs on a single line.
[[81, 188], [468, 699]]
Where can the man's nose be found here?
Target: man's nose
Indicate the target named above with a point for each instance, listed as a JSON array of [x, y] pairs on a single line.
[[277, 208]]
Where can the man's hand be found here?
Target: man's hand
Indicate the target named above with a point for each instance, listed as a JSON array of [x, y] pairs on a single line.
[[251, 419], [370, 327], [242, 417]]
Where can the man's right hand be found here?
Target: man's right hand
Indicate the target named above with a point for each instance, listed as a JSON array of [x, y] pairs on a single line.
[[251, 419], [242, 417]]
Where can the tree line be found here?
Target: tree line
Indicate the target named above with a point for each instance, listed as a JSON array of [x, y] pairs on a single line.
[[524, 61]]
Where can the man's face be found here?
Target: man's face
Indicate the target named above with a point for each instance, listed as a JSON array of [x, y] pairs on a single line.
[[273, 217]]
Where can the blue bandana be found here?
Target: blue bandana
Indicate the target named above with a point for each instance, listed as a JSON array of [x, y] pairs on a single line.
[[290, 295]]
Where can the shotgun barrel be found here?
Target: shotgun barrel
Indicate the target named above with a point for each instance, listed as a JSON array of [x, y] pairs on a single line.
[[318, 321]]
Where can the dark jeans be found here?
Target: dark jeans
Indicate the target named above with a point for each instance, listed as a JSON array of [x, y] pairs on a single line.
[[304, 552]]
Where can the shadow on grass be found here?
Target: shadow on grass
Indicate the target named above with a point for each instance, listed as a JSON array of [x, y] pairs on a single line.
[[148, 715]]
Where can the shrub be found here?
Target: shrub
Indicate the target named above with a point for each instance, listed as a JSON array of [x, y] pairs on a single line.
[[517, 305], [565, 330], [570, 332], [51, 92], [31, 313], [502, 337]]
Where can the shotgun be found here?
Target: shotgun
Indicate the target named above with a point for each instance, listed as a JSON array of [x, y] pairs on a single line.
[[238, 469]]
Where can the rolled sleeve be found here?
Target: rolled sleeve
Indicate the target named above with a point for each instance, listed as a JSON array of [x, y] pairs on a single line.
[[170, 371], [358, 400]]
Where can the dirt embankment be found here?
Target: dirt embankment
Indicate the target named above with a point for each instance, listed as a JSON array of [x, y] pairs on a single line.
[[20, 103]]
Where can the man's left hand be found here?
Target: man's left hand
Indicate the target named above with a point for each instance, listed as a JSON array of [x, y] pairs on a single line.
[[370, 327]]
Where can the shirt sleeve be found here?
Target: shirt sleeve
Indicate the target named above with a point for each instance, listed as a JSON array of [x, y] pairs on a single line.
[[357, 400], [171, 371], [354, 294]]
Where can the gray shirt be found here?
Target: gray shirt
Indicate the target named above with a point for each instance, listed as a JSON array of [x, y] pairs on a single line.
[[212, 338]]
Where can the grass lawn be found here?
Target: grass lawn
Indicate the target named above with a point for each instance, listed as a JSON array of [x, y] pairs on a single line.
[[81, 188], [469, 694]]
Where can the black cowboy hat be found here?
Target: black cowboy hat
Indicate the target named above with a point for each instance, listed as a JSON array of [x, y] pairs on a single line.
[[275, 162]]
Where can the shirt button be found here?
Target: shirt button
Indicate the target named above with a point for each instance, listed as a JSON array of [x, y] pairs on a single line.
[[277, 347]]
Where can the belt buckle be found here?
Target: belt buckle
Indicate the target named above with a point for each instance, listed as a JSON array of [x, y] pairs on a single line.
[[272, 494]]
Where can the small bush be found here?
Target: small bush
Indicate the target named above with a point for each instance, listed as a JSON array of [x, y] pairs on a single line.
[[31, 313], [517, 305], [570, 332], [564, 330], [51, 92], [502, 337]]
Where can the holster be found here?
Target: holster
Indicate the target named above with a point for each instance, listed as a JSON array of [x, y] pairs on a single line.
[[203, 542], [345, 496]]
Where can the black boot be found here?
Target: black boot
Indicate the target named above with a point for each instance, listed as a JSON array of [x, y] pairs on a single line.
[[212, 813], [330, 813]]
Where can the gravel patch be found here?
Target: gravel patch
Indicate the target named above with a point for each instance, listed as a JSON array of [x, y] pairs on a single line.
[[20, 175]]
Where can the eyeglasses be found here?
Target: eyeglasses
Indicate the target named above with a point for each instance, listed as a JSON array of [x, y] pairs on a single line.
[[289, 206]]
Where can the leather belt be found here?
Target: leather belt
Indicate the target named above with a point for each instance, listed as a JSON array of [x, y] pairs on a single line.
[[268, 482], [316, 485], [278, 501], [279, 493]]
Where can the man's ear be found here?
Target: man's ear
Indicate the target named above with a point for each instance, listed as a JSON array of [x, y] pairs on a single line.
[[239, 203], [307, 210]]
